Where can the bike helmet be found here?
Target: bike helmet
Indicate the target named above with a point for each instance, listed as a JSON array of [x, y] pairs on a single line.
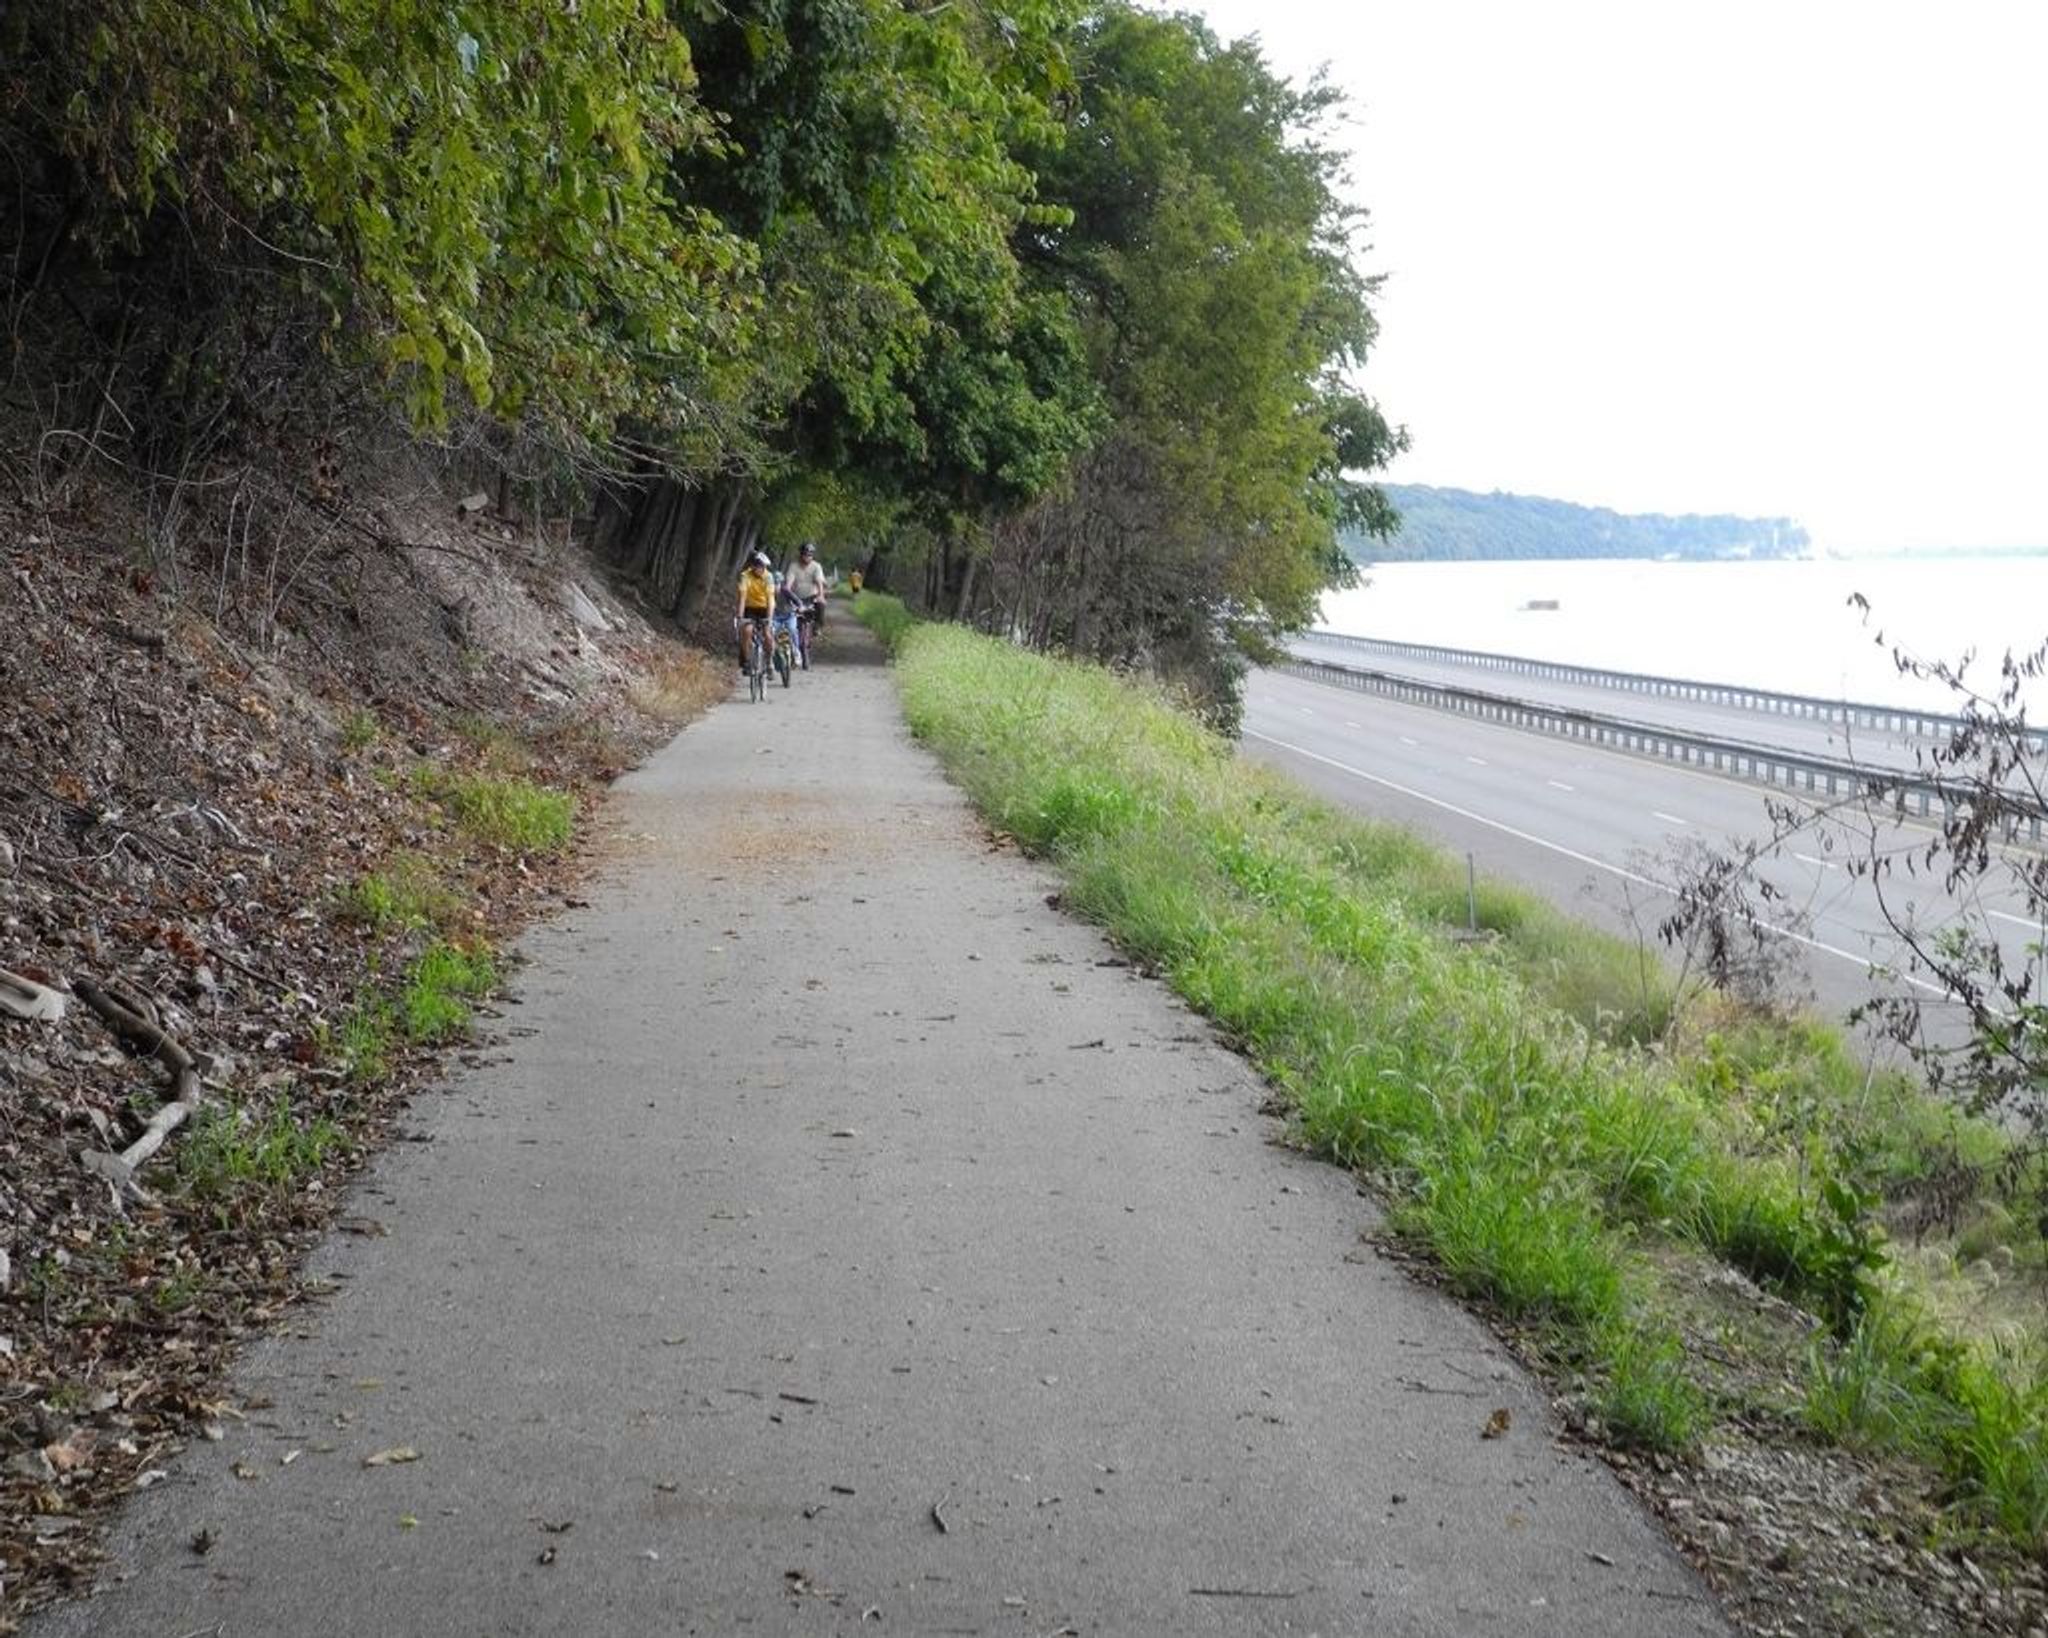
[[775, 578], [759, 560], [807, 550]]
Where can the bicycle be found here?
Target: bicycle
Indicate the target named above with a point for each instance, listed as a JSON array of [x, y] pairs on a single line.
[[786, 656], [809, 622], [757, 658]]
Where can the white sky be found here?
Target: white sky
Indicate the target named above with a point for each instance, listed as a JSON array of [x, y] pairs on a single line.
[[1762, 256]]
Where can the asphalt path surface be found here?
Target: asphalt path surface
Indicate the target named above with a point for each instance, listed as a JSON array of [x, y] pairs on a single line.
[[838, 1239], [1601, 833], [1807, 736]]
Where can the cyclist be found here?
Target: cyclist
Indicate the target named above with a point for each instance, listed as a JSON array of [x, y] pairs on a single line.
[[807, 585], [756, 606], [787, 610]]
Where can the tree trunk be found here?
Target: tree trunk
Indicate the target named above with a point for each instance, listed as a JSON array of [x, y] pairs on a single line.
[[1081, 629], [963, 604], [666, 556], [653, 512], [732, 537], [610, 519], [708, 546]]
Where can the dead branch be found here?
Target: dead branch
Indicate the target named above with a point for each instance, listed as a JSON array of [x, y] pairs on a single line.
[[146, 1040]]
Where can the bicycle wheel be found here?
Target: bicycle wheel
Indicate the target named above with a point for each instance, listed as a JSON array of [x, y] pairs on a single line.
[[757, 686]]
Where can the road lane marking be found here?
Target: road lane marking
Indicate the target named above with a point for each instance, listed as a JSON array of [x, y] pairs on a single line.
[[1350, 725], [1827, 864], [1405, 740], [1668, 818], [2030, 923], [1560, 785], [1476, 761], [1573, 853], [1304, 710]]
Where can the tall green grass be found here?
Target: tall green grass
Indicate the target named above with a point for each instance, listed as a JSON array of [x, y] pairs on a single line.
[[885, 616], [511, 812], [1500, 1092], [406, 893]]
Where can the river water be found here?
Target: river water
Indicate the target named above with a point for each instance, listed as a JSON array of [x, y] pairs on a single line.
[[1785, 625]]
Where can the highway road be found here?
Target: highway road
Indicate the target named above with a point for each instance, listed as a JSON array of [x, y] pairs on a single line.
[[1597, 832], [1805, 735]]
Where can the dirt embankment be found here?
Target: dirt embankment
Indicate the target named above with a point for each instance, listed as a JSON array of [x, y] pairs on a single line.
[[281, 809]]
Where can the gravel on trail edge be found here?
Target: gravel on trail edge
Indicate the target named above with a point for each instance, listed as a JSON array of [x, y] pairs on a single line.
[[840, 1236]]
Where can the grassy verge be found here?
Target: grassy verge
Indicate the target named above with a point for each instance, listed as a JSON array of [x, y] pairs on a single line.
[[1542, 1111], [504, 811], [406, 893], [885, 616], [271, 1148]]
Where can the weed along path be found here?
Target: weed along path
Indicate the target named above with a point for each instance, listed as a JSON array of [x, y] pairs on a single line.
[[838, 1238]]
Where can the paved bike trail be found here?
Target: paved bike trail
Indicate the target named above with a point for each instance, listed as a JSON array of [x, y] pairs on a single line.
[[839, 1239]]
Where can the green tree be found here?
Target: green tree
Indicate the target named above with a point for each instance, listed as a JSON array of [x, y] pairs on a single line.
[[470, 197], [868, 154], [1209, 258]]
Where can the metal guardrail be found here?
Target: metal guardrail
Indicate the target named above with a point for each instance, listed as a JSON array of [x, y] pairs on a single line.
[[1791, 770], [1850, 713]]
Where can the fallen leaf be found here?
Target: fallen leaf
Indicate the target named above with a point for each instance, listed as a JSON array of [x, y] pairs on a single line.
[[1497, 1424], [392, 1457], [69, 1454]]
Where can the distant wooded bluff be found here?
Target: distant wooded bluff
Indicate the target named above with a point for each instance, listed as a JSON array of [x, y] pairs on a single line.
[[1457, 523]]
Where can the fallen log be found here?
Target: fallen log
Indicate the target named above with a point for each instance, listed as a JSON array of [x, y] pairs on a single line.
[[147, 1040]]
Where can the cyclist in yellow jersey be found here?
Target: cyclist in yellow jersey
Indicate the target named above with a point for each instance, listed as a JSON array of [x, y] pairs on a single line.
[[756, 604]]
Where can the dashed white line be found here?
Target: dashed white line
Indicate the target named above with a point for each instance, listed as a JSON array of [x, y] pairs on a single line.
[[1476, 761], [1405, 740], [1573, 853], [1668, 818], [1350, 725], [1826, 864], [2018, 921], [1560, 785], [1305, 710]]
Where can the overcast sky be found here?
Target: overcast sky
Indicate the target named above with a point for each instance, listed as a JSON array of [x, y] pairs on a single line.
[[1669, 255]]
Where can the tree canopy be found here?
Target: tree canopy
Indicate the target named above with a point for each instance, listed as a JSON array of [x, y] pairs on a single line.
[[1054, 308]]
